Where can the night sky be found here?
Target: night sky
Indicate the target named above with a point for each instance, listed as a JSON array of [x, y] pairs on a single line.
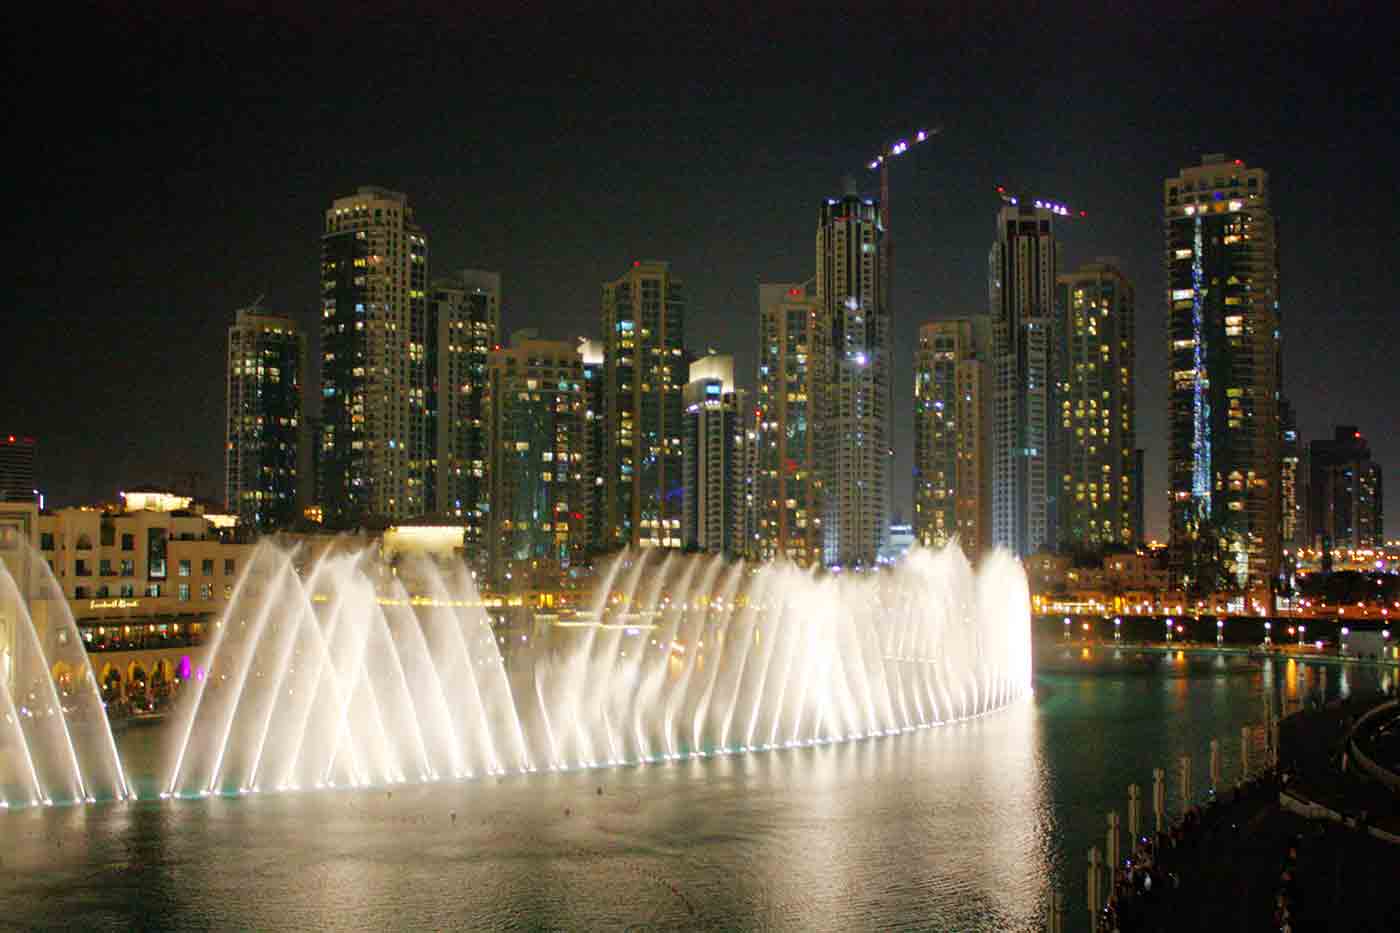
[[167, 169]]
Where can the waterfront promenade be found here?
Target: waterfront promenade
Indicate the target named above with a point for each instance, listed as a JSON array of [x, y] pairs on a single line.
[[1253, 861]]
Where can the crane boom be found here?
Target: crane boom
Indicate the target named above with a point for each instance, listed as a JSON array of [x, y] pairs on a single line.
[[1054, 207]]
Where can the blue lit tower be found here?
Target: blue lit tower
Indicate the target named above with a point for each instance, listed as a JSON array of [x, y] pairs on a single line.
[[1223, 327]]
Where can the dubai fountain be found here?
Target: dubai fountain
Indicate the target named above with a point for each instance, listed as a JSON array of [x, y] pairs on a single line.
[[56, 743], [348, 672]]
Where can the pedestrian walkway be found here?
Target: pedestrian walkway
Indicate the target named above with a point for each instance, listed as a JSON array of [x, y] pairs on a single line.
[[1244, 862]]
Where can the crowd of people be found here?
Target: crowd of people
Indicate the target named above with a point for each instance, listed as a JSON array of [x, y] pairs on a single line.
[[1149, 880], [1289, 897], [1223, 858]]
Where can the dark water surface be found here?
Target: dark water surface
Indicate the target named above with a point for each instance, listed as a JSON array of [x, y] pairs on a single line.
[[965, 827]]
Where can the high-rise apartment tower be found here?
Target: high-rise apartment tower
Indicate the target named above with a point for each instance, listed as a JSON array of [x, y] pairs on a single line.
[[713, 518], [645, 371], [851, 293], [1093, 422], [464, 326], [374, 280], [794, 339], [1223, 327], [17, 481], [1345, 493], [266, 438], [1021, 282], [952, 434], [534, 408]]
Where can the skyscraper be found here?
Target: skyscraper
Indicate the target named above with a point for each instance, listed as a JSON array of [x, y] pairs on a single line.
[[17, 481], [1345, 494], [1223, 328], [534, 409], [595, 506], [715, 459], [266, 435], [851, 293], [1293, 480], [1021, 285], [374, 272], [794, 340], [952, 434], [644, 372], [1093, 409], [464, 326]]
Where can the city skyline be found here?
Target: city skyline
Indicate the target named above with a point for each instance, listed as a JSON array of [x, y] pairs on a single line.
[[125, 295]]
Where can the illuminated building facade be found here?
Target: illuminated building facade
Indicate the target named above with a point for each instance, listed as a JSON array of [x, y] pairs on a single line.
[[1022, 267], [1293, 481], [851, 293], [1345, 495], [1093, 430], [464, 326], [1223, 328], [374, 381], [644, 372], [266, 435], [142, 579], [17, 480], [716, 457], [793, 369], [595, 445], [536, 442], [952, 434]]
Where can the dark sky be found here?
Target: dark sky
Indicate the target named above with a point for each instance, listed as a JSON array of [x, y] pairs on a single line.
[[168, 168]]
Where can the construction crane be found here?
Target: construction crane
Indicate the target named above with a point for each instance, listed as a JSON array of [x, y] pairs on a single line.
[[882, 162], [1054, 207]]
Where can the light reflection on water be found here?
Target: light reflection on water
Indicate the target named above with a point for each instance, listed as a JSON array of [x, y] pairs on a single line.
[[964, 827]]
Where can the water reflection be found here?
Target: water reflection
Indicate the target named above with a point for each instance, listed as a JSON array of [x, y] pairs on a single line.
[[968, 827]]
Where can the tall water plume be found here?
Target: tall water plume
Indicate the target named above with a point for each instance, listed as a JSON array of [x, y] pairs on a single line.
[[56, 743], [349, 672]]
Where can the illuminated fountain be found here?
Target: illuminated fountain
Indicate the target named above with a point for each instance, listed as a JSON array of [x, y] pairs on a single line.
[[56, 743], [348, 674]]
